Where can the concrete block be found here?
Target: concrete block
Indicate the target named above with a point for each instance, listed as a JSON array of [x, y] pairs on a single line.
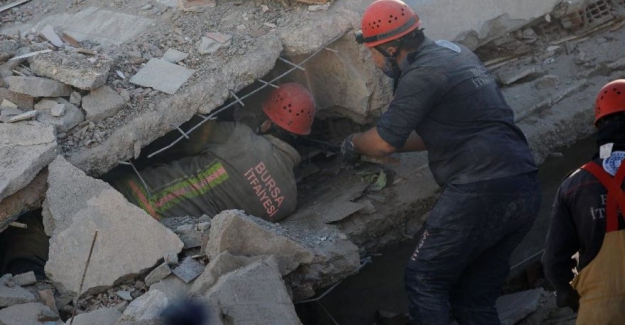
[[122, 227], [69, 117], [72, 69], [188, 270], [28, 314], [38, 87], [158, 274], [240, 234], [25, 148], [104, 316], [102, 103], [162, 75], [254, 294], [13, 294], [69, 190], [174, 56], [25, 279]]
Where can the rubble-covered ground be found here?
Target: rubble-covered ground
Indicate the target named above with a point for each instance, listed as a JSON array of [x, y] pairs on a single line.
[[88, 86]]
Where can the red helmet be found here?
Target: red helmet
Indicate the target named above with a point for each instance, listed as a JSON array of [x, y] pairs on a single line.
[[386, 20], [610, 100], [291, 107]]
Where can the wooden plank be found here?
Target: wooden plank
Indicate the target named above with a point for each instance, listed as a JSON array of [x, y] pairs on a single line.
[[14, 4]]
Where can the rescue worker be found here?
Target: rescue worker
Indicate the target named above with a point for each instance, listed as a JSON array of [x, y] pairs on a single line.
[[447, 103], [587, 219], [229, 166]]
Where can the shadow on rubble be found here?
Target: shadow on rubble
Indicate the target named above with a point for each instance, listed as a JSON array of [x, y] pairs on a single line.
[[24, 247]]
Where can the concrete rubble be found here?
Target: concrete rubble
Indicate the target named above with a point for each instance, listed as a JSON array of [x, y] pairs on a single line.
[[162, 75], [188, 270], [222, 264], [38, 87], [60, 113], [104, 316], [146, 308], [158, 274], [101, 103], [28, 314], [173, 287], [71, 69], [25, 279], [121, 227], [12, 294]]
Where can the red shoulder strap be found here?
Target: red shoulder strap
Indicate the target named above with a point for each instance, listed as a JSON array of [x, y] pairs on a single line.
[[616, 196]]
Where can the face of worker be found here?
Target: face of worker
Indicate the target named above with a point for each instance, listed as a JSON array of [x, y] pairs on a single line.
[[378, 59]]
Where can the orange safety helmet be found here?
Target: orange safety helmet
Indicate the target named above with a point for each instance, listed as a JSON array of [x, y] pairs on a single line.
[[291, 107], [386, 20], [610, 100]]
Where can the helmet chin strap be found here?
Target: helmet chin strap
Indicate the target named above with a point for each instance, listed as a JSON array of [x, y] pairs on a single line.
[[392, 58]]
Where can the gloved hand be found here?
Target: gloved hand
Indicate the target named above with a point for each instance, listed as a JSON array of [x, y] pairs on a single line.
[[348, 152], [568, 299]]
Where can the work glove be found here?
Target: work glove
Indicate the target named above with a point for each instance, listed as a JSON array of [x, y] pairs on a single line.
[[568, 299], [348, 152]]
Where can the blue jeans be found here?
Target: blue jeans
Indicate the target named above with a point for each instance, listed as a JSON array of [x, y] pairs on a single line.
[[463, 256]]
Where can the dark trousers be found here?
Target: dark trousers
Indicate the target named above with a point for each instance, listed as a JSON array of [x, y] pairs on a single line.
[[463, 256]]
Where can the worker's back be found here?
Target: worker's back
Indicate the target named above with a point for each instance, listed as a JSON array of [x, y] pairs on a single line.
[[236, 169]]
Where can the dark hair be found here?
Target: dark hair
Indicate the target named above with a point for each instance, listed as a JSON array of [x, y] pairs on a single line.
[[409, 42]]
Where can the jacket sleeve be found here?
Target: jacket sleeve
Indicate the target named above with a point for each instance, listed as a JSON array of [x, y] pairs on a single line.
[[562, 243]]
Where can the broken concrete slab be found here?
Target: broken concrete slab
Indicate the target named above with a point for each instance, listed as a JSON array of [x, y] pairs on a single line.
[[27, 314], [188, 270], [69, 117], [174, 56], [104, 316], [102, 103], [146, 308], [23, 117], [223, 264], [27, 199], [514, 307], [192, 231], [25, 148], [49, 34], [162, 75], [158, 274], [548, 81], [254, 294], [121, 227], [240, 234], [510, 75], [172, 287], [14, 295], [69, 190], [23, 102], [73, 69], [25, 279], [38, 87], [210, 46], [8, 49]]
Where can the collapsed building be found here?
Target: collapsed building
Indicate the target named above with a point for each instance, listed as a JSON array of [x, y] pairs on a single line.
[[92, 86]]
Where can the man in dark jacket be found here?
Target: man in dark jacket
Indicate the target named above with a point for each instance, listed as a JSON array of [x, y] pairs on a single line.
[[447, 103], [228, 166], [587, 219]]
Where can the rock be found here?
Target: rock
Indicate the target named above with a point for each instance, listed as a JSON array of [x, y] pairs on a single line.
[[104, 316], [23, 117], [75, 98], [548, 81], [124, 295], [15, 295], [25, 279], [188, 270], [24, 102], [162, 75], [72, 69], [224, 263], [122, 227], [38, 87], [240, 234], [174, 56], [25, 149], [102, 103], [8, 49], [26, 314], [254, 294], [146, 308], [49, 34], [69, 117], [69, 190], [158, 274], [210, 46], [172, 287]]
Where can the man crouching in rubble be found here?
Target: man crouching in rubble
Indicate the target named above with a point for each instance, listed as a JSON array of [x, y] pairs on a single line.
[[228, 166], [447, 103], [588, 218]]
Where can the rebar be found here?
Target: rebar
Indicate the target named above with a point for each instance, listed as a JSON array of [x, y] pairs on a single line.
[[291, 63], [273, 81], [147, 189], [183, 133], [237, 98], [266, 83], [84, 273]]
